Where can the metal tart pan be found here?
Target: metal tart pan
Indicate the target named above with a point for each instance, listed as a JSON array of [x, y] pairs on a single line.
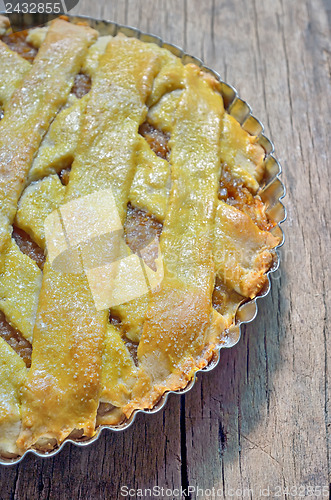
[[272, 192]]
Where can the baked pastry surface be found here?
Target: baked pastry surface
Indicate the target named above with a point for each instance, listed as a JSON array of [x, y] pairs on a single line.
[[131, 229]]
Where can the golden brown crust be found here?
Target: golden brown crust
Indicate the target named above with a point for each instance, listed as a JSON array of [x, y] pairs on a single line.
[[242, 252], [69, 371], [12, 70], [184, 178], [62, 388], [179, 313]]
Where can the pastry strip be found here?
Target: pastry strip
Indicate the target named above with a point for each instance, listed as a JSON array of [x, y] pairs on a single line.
[[63, 386], [12, 70], [36, 203], [20, 283], [150, 187], [179, 313], [242, 154], [4, 24], [118, 369], [58, 147]]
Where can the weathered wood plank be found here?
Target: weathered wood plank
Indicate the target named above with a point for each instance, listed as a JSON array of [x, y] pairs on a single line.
[[269, 400], [261, 418]]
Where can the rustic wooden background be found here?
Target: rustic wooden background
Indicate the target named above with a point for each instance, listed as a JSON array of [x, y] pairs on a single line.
[[262, 418]]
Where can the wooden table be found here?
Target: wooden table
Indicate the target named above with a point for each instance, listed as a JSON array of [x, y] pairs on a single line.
[[261, 419]]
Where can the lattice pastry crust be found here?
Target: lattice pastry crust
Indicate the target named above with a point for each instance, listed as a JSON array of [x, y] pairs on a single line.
[[87, 118]]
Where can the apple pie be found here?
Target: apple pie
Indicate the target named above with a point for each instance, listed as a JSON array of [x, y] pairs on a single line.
[[131, 229]]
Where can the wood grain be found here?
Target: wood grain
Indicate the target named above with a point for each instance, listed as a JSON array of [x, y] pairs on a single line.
[[262, 418]]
